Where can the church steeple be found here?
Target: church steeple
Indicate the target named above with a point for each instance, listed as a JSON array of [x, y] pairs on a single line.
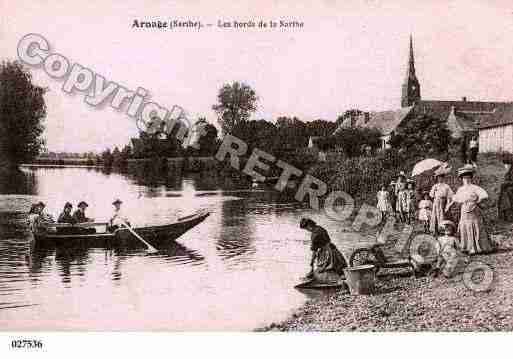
[[411, 87]]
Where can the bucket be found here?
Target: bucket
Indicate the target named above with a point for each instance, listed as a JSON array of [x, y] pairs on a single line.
[[361, 279]]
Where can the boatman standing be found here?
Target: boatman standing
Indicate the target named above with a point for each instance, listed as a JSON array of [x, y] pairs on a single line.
[[119, 218]]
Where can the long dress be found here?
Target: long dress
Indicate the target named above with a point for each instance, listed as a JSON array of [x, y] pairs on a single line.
[[383, 201], [441, 193], [329, 263], [424, 210], [505, 203], [473, 235]]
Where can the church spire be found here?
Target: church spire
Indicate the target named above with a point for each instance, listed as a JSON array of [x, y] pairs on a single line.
[[411, 87], [411, 61]]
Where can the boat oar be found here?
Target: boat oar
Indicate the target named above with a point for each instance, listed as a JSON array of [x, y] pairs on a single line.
[[150, 249]]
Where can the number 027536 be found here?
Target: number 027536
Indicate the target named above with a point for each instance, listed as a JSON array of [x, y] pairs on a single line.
[[27, 344]]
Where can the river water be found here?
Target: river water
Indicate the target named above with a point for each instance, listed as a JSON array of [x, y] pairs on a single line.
[[234, 271]]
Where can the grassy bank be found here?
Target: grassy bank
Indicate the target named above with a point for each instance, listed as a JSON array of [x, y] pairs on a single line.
[[405, 303]]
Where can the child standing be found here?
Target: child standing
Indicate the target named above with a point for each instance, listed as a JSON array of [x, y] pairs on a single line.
[[410, 202], [425, 211], [383, 202], [447, 255]]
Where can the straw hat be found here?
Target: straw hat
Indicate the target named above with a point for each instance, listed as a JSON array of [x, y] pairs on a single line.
[[401, 174], [468, 169]]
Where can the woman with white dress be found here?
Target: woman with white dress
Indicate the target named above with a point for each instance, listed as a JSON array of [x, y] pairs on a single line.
[[474, 238], [441, 194]]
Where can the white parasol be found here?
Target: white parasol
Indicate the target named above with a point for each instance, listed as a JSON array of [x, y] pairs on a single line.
[[425, 165]]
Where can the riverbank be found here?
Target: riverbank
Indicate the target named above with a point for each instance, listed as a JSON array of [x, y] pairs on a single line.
[[405, 303]]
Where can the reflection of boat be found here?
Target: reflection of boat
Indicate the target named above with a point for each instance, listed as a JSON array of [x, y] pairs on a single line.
[[154, 234]]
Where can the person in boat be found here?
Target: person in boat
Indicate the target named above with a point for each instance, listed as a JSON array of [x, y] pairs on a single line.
[[65, 216], [327, 263], [39, 220], [441, 193], [474, 238], [119, 219], [79, 216]]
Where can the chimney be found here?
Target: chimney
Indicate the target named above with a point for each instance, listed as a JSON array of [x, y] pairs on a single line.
[[464, 99]]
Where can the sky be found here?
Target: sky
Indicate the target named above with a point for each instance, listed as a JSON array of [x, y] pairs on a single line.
[[349, 54]]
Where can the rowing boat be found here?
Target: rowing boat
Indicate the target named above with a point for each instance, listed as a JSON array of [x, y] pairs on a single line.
[[154, 234]]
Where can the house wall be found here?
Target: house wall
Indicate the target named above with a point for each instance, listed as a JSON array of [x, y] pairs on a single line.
[[496, 139]]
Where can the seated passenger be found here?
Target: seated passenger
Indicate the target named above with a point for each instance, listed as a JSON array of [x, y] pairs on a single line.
[[39, 220], [80, 217], [65, 216]]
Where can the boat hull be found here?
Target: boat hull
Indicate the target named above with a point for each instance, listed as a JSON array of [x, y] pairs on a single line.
[[123, 237]]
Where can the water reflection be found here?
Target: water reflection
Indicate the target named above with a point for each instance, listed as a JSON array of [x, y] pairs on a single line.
[[250, 247]]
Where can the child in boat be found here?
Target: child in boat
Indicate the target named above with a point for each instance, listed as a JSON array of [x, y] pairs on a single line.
[[118, 219], [425, 211], [384, 202], [448, 250], [327, 264]]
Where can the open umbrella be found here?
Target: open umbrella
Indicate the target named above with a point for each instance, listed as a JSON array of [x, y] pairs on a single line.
[[425, 165]]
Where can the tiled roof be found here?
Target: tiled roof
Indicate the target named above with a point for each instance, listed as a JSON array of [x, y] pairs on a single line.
[[502, 116], [384, 121]]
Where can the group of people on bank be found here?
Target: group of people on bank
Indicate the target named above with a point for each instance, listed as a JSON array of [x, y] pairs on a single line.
[[41, 221], [435, 204], [469, 236]]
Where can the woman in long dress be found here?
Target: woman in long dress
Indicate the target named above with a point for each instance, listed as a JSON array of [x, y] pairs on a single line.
[[327, 262], [474, 238], [441, 194]]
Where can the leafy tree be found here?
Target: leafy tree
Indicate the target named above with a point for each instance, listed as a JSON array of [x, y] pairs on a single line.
[[292, 134], [107, 158], [208, 141], [320, 128], [352, 140], [236, 103], [422, 135], [22, 110], [353, 114], [259, 134]]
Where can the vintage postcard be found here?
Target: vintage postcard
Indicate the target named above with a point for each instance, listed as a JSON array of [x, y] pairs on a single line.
[[255, 166]]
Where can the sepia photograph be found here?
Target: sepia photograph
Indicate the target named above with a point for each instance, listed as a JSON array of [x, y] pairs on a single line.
[[255, 167]]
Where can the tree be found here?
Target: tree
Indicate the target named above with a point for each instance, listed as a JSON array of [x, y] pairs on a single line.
[[207, 142], [352, 140], [236, 103], [259, 134], [422, 135], [107, 158], [292, 134], [22, 111]]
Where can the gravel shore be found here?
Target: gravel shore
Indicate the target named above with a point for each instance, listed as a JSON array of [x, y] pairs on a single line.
[[405, 303]]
